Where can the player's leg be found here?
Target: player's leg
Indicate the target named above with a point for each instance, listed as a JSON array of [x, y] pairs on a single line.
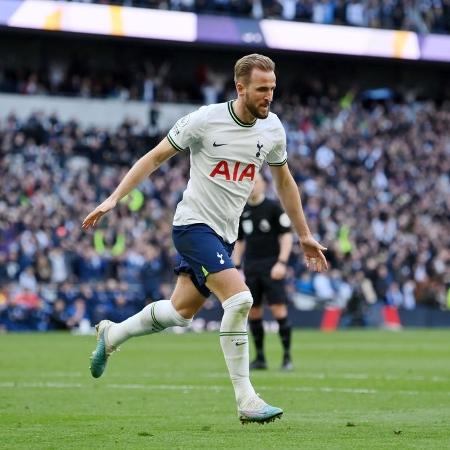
[[178, 311], [277, 300], [255, 321], [208, 258], [280, 313], [185, 301], [236, 301]]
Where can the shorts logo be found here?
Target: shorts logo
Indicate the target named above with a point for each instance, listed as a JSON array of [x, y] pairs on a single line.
[[220, 256]]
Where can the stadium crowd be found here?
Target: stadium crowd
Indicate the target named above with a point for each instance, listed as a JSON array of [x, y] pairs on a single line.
[[376, 191], [142, 80], [75, 78], [421, 16]]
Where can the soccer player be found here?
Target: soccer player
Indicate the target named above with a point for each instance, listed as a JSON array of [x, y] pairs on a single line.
[[228, 142], [265, 242]]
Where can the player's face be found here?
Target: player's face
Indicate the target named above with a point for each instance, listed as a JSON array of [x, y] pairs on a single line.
[[258, 93]]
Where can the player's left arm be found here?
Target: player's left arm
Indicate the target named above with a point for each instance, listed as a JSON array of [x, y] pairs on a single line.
[[289, 196]]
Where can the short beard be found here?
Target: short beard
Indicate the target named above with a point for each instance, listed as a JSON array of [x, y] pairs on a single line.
[[255, 113]]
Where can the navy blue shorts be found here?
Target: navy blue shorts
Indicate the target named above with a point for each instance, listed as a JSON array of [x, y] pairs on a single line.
[[201, 252]]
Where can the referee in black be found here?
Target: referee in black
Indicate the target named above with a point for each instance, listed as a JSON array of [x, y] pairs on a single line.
[[262, 249]]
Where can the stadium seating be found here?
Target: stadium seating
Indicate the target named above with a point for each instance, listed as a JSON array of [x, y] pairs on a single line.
[[384, 222]]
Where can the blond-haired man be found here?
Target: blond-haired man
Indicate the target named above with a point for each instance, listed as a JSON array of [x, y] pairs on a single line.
[[228, 143]]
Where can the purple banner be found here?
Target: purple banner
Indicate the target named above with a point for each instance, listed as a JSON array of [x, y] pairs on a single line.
[[227, 30], [435, 47], [7, 9]]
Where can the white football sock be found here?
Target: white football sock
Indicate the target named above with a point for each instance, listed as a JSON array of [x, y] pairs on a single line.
[[234, 342], [154, 318]]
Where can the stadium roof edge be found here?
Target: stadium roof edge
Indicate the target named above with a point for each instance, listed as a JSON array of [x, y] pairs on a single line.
[[122, 21]]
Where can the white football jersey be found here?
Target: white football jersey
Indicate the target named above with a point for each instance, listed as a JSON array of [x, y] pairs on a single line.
[[226, 154]]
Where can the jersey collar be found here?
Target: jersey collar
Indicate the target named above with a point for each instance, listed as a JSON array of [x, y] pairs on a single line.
[[236, 118]]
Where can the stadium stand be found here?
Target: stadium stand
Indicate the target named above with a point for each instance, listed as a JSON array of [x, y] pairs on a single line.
[[367, 142], [385, 221], [421, 16]]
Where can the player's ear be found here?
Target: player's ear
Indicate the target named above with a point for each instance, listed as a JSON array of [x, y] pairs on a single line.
[[240, 87]]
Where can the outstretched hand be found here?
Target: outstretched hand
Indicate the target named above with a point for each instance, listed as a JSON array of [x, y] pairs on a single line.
[[93, 217], [314, 257]]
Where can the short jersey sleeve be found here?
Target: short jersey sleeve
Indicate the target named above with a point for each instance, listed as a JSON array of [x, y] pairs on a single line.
[[278, 155], [188, 129]]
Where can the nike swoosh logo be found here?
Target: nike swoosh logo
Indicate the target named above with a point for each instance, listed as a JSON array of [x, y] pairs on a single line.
[[217, 145], [240, 343]]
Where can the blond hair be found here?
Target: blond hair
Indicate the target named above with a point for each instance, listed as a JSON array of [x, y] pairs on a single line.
[[244, 66]]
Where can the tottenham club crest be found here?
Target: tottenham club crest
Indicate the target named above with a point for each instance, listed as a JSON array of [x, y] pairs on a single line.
[[259, 146]]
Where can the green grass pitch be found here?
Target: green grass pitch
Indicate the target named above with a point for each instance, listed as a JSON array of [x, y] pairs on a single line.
[[350, 390]]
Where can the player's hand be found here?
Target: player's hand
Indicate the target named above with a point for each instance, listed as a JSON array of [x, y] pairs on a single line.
[[278, 271], [93, 217], [314, 258]]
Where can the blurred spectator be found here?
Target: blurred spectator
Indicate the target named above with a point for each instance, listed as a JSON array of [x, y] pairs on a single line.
[[323, 12], [355, 13], [24, 310], [151, 274], [304, 284]]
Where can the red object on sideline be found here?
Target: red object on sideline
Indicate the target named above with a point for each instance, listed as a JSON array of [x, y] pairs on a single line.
[[391, 317], [330, 319]]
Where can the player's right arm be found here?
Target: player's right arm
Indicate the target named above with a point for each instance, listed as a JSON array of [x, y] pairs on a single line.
[[138, 172]]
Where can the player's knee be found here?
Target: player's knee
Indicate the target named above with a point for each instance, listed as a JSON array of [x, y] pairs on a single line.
[[239, 303], [181, 321], [235, 311], [180, 318], [186, 312]]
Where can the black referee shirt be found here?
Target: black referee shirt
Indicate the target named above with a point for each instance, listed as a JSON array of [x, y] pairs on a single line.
[[260, 227]]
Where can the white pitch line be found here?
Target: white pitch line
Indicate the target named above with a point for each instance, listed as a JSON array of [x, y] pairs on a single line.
[[222, 388], [346, 376], [310, 375], [215, 388], [48, 384], [187, 388]]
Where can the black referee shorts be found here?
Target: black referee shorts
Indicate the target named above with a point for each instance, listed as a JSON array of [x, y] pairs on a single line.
[[262, 286]]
